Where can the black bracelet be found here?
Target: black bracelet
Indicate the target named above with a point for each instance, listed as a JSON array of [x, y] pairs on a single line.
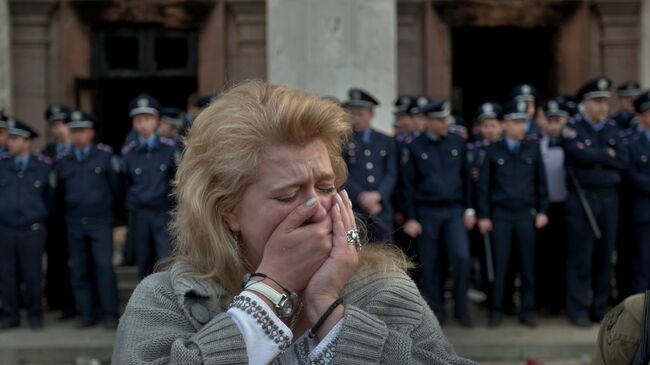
[[264, 276], [323, 318]]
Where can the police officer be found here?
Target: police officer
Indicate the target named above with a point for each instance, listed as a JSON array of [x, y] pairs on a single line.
[[89, 180], [595, 157], [435, 182], [639, 175], [4, 132], [149, 165], [25, 187], [57, 277], [625, 118], [172, 121], [528, 94], [407, 128], [418, 117], [550, 258], [512, 203], [626, 93], [489, 131], [372, 164], [57, 117]]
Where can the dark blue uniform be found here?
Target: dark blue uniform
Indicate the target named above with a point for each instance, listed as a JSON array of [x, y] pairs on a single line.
[[512, 190], [149, 170], [90, 183], [435, 191], [589, 265], [372, 166], [26, 201], [639, 176]]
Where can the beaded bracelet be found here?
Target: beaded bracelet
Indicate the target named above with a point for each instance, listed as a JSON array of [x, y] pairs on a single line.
[[323, 318], [258, 313]]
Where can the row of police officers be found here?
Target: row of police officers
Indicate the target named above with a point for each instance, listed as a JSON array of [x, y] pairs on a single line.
[[68, 193], [536, 188]]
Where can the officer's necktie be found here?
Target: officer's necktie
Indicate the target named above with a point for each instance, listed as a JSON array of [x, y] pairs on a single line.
[[20, 165]]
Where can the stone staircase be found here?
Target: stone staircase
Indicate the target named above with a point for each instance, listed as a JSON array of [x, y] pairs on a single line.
[[555, 342]]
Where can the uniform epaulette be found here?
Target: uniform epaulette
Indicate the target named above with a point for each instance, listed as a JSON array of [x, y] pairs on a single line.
[[44, 159], [61, 155], [105, 148], [168, 141], [128, 147], [456, 132], [533, 138], [475, 145]]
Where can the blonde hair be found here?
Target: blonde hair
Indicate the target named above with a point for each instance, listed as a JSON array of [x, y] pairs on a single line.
[[222, 154]]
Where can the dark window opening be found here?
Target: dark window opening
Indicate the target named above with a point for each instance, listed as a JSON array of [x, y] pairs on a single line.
[[171, 52], [122, 52], [489, 62]]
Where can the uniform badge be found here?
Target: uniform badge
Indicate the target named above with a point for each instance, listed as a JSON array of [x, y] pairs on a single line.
[[487, 108], [602, 84], [521, 106], [525, 89], [143, 103], [76, 115]]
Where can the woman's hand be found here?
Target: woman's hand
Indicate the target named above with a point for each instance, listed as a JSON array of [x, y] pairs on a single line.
[[328, 282], [297, 247]]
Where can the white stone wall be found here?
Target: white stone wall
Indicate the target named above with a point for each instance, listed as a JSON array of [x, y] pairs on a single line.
[[5, 57], [327, 46]]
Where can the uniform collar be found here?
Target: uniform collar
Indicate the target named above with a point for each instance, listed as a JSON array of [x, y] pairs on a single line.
[[513, 145], [62, 148], [433, 137], [24, 161], [82, 154], [148, 143], [598, 126]]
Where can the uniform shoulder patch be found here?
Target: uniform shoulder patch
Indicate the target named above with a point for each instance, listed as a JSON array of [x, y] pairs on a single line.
[[129, 147], [44, 159], [105, 148], [167, 141]]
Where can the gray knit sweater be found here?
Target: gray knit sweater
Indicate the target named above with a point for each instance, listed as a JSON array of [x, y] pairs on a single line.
[[173, 318]]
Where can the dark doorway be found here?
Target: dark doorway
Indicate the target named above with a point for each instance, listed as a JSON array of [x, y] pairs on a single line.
[[114, 94], [489, 61], [129, 60]]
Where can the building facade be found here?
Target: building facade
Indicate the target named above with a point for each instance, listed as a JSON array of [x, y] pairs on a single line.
[[98, 54]]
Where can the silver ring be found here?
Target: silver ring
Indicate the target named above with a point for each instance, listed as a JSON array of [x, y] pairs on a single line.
[[353, 238]]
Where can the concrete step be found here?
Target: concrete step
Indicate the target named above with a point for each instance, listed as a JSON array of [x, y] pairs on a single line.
[[555, 340]]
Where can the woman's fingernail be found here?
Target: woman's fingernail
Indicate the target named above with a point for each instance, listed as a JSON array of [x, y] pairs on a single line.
[[338, 197], [311, 202], [346, 193], [338, 209]]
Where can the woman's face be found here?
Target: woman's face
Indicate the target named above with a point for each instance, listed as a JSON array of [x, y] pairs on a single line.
[[288, 176]]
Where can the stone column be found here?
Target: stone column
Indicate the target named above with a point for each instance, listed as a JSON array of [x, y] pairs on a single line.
[[326, 47], [5, 57], [644, 45]]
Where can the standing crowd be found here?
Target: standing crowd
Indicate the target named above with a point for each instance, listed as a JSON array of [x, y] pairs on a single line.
[[542, 194]]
